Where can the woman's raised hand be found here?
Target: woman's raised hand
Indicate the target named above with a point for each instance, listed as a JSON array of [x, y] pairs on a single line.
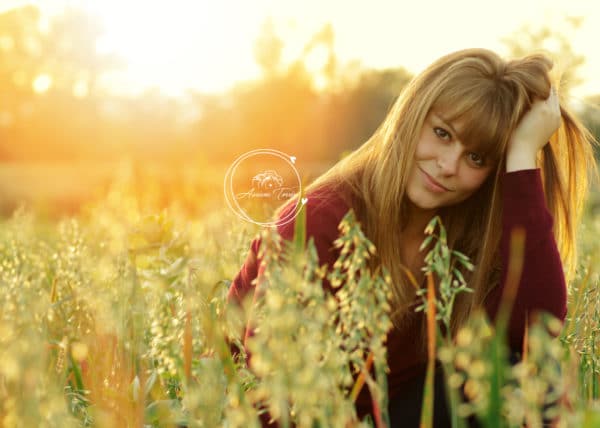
[[533, 132]]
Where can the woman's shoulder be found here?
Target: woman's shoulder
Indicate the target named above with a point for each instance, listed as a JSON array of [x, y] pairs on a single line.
[[325, 207], [327, 199]]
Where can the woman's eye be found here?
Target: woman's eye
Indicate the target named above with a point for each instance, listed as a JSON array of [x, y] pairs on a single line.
[[442, 133], [476, 159]]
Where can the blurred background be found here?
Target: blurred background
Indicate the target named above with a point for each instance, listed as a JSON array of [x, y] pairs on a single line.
[[166, 95]]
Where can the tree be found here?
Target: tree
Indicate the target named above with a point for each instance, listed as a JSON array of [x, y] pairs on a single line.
[[48, 73], [590, 116], [268, 48]]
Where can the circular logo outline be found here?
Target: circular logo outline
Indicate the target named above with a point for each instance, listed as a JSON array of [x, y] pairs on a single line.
[[228, 185]]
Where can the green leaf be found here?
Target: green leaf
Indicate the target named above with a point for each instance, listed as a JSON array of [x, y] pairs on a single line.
[[459, 276], [300, 227], [426, 242]]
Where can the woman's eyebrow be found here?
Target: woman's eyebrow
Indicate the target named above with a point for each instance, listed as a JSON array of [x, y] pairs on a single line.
[[445, 123]]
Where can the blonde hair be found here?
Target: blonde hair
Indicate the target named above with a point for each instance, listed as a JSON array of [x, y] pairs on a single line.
[[490, 96]]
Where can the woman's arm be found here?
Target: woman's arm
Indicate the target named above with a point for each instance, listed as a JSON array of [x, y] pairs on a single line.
[[242, 283], [324, 211], [533, 133], [542, 284]]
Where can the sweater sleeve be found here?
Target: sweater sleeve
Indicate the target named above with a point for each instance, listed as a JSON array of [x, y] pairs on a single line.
[[243, 283], [542, 284], [323, 214]]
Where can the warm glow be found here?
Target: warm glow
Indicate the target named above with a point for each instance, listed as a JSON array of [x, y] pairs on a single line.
[[208, 45], [6, 43], [180, 43], [6, 119], [42, 83], [80, 89]]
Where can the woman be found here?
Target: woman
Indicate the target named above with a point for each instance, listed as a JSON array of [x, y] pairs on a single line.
[[485, 144]]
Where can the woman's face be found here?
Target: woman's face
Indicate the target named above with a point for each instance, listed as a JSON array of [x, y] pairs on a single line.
[[445, 172]]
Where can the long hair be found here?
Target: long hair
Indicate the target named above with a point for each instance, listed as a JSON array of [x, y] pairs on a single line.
[[489, 95]]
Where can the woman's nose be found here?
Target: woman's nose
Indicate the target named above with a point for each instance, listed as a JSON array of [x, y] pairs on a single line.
[[447, 162]]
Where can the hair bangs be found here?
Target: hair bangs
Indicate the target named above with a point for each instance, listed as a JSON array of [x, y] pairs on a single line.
[[482, 113]]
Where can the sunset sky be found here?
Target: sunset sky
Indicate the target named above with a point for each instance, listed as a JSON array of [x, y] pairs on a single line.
[[208, 45]]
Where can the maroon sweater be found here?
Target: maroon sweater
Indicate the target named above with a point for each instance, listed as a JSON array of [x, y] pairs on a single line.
[[542, 285]]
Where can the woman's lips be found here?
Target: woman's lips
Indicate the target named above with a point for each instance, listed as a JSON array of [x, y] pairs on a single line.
[[433, 185]]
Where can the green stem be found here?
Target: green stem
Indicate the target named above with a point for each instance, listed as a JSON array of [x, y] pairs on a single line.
[[594, 375]]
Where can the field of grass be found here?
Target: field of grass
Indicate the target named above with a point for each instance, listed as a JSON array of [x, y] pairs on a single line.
[[116, 317]]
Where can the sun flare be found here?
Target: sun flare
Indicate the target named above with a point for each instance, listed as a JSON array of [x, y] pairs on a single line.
[[181, 43], [209, 45]]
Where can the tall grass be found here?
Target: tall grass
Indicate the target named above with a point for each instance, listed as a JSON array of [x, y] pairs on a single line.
[[118, 318]]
